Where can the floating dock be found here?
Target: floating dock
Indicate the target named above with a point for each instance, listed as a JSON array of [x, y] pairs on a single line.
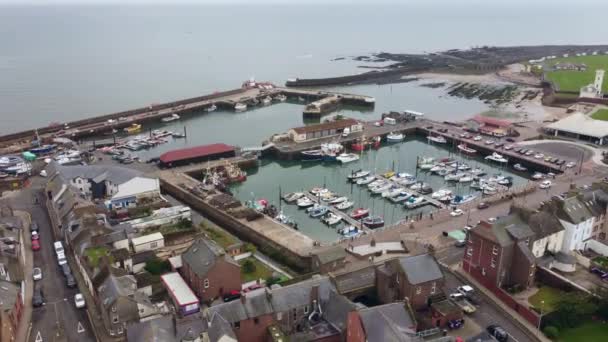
[[349, 220]]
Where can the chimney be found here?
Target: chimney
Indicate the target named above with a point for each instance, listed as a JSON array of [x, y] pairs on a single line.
[[314, 293]]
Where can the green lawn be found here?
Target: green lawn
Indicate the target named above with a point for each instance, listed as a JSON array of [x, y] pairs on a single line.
[[588, 332], [574, 80], [94, 254], [601, 114], [549, 295], [220, 237], [261, 271], [601, 260]]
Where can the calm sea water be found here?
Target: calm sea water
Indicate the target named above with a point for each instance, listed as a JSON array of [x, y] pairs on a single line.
[[66, 62]]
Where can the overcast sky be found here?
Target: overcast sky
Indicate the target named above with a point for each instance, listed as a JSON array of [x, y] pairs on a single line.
[[425, 2]]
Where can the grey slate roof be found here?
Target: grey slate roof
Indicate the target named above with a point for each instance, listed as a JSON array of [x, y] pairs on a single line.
[[165, 329], [114, 174], [331, 254], [388, 323], [596, 200], [516, 228], [525, 250], [420, 268], [116, 286], [494, 232], [336, 310], [142, 257], [350, 281], [218, 328], [202, 255], [544, 224], [574, 210]]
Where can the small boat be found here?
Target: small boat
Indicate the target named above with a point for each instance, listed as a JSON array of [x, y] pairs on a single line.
[[489, 190], [292, 196], [349, 231], [305, 202], [318, 191], [331, 219], [406, 181], [239, 107], [381, 188], [345, 205], [457, 200], [319, 211], [359, 213], [280, 98], [519, 167], [454, 177], [426, 167], [497, 158], [463, 167], [478, 172], [417, 186], [172, 117], [211, 108], [3, 174], [134, 128], [388, 174], [466, 179], [347, 158], [314, 207], [266, 101], [437, 138], [441, 193], [465, 149], [437, 168], [44, 149], [285, 219], [393, 191], [366, 180], [301, 99], [401, 197], [373, 222], [375, 183], [338, 200], [415, 202], [395, 137], [178, 135], [358, 174], [425, 190], [312, 155]]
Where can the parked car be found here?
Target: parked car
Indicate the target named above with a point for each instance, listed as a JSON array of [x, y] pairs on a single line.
[[79, 301], [570, 165], [232, 295], [443, 130], [65, 268], [35, 245], [37, 273], [483, 205], [252, 288], [70, 281], [498, 145], [38, 297], [460, 243], [35, 236], [456, 212], [61, 260], [34, 226], [466, 290], [497, 332], [510, 140], [545, 184]]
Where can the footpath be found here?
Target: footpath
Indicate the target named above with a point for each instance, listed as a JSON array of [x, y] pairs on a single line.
[[28, 264]]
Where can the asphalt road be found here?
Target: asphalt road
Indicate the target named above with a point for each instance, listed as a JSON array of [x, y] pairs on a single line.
[[58, 319]]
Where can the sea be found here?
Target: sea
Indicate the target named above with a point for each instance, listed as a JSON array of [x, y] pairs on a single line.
[[67, 62]]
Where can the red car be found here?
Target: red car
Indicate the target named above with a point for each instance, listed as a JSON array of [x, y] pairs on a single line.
[[232, 295], [252, 287], [35, 245]]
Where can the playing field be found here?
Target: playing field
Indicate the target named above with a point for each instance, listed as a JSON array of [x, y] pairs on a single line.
[[601, 114], [568, 80]]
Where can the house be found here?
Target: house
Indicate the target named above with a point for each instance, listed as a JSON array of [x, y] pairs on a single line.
[[11, 310], [576, 218], [414, 278], [499, 254], [132, 263], [209, 270], [326, 129], [194, 328], [136, 191], [289, 309], [491, 126], [329, 259], [548, 231], [388, 323], [596, 199], [148, 242]]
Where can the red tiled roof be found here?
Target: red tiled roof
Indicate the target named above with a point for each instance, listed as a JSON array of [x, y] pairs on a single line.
[[195, 152], [492, 121], [338, 124]]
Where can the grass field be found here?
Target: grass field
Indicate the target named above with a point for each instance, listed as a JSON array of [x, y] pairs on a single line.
[[549, 295], [588, 332], [574, 80], [261, 271], [601, 114]]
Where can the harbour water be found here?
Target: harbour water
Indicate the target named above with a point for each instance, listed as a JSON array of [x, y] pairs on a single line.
[[293, 176]]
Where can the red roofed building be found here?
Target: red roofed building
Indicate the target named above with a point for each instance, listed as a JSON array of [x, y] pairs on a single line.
[[196, 154], [492, 126]]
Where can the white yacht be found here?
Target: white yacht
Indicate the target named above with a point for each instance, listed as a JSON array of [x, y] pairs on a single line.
[[239, 107], [172, 117], [347, 158], [395, 137], [497, 158]]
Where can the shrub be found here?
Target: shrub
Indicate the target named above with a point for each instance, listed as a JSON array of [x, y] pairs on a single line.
[[248, 266], [157, 266], [250, 248], [551, 332]]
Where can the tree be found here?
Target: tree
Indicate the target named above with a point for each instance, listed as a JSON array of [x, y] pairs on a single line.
[[551, 332], [573, 308], [157, 266], [248, 266]]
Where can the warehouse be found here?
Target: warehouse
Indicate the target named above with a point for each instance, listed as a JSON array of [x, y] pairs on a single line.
[[300, 134], [196, 154]]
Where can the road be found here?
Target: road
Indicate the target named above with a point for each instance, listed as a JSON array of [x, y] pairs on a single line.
[[58, 319]]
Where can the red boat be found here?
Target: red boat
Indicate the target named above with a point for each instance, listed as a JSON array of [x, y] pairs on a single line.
[[359, 213], [365, 144]]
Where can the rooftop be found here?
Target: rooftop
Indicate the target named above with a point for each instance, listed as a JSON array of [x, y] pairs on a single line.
[[388, 323], [420, 268], [337, 124], [579, 123], [178, 288], [195, 152], [136, 186]]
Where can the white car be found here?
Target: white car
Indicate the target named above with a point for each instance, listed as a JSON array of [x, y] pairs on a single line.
[[529, 152], [477, 138], [509, 147], [570, 165], [492, 219], [545, 184], [37, 273], [79, 301], [489, 142], [457, 212], [539, 156], [465, 290], [466, 228], [43, 173]]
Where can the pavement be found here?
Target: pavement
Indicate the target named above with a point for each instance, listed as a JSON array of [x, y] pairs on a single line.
[[58, 319], [27, 274]]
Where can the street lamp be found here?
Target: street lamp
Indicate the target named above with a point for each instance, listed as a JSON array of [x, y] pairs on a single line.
[[540, 318]]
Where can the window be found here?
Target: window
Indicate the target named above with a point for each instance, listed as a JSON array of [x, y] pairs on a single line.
[[397, 279], [115, 319], [528, 242], [113, 308], [153, 244], [206, 283], [433, 288], [305, 309], [470, 251], [483, 271], [493, 263], [279, 316], [256, 320], [120, 330], [418, 290], [494, 250], [237, 325]]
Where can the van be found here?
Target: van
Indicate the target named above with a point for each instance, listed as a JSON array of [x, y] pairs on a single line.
[[390, 121], [346, 132], [58, 247]]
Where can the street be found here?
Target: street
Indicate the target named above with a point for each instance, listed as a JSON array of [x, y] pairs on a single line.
[[58, 319]]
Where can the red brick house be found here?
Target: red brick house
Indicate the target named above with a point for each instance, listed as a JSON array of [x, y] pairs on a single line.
[[413, 278], [209, 271], [11, 308], [499, 254], [389, 322]]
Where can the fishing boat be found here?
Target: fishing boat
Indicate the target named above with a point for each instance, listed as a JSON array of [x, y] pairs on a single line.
[[134, 128], [280, 98], [359, 213], [519, 167], [172, 117], [349, 231], [292, 196], [356, 175], [305, 202], [393, 137], [497, 158], [463, 199], [331, 151], [211, 108], [266, 101], [311, 155], [44, 149], [319, 211], [239, 107], [331, 219], [415, 202], [364, 143], [437, 139], [345, 205], [338, 200], [347, 158], [465, 149], [373, 222], [365, 180], [281, 217]]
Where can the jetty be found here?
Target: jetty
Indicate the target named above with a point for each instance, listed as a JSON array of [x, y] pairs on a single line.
[[345, 217]]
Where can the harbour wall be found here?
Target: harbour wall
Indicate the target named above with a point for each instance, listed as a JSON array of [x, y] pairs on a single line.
[[340, 80]]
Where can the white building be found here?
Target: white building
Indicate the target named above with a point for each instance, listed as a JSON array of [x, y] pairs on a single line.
[[580, 126], [578, 222], [594, 90], [162, 216], [148, 242], [134, 191], [548, 234]]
